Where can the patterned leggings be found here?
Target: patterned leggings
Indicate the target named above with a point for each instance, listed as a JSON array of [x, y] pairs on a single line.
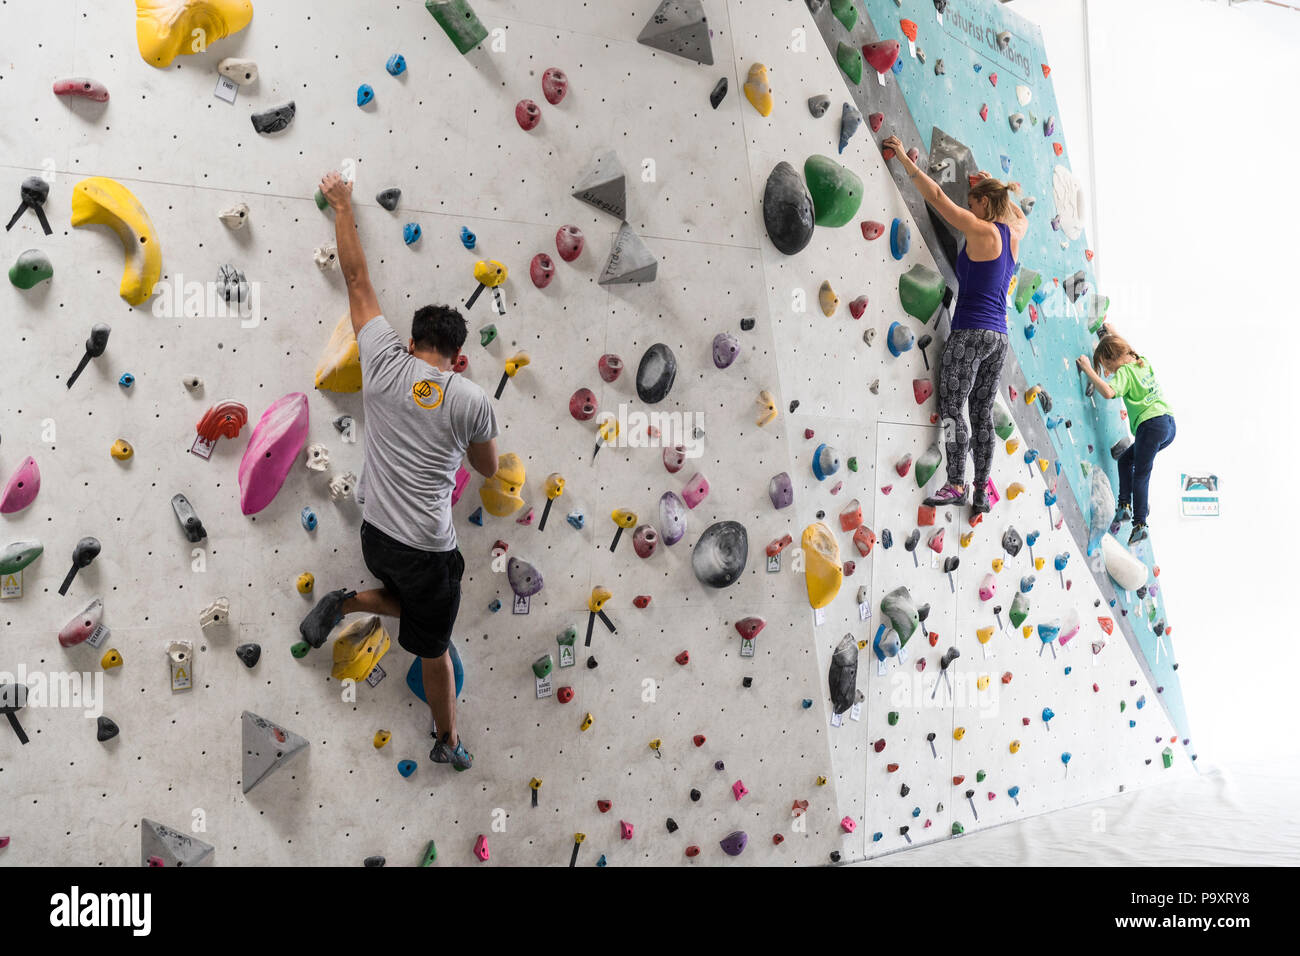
[[970, 370]]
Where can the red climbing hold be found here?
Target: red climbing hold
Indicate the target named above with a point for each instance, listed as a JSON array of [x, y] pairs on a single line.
[[909, 29], [934, 639], [925, 515], [1058, 148], [993, 78], [778, 545], [569, 241], [1047, 71], [886, 489], [858, 306], [957, 780], [610, 366], [984, 112], [872, 230], [461, 365], [934, 418], [1088, 253], [641, 600], [683, 658], [892, 768], [1095, 688], [692, 850], [807, 433], [527, 114], [541, 270], [881, 54], [1006, 677], [777, 839], [1025, 721], [698, 740], [849, 567], [903, 466], [875, 121], [1107, 624], [886, 153], [603, 806], [1033, 312], [865, 539], [554, 85], [564, 695], [922, 388], [749, 627]]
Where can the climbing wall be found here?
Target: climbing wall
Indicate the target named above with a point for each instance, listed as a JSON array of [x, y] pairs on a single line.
[[741, 743]]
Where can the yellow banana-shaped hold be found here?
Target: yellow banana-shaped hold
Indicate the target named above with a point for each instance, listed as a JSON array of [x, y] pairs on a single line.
[[554, 485], [490, 273], [827, 299], [757, 90], [599, 595], [166, 29], [1031, 396], [516, 362], [609, 429], [1014, 489], [339, 369], [766, 407], [587, 721], [500, 493], [98, 201]]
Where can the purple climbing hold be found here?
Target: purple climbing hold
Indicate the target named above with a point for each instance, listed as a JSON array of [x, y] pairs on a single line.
[[781, 490], [734, 843]]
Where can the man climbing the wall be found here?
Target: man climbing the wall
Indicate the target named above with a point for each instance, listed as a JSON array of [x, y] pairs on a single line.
[[421, 421]]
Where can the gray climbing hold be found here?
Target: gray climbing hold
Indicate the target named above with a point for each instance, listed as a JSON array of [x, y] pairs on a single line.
[[266, 747], [189, 520], [850, 120], [629, 260], [232, 284], [1012, 542], [171, 847], [274, 120], [844, 675], [105, 729], [788, 212], [725, 349], [525, 580], [720, 555], [1027, 205], [603, 184], [1075, 286], [901, 610], [939, 68], [656, 373], [1016, 120], [681, 28], [719, 93], [818, 105], [388, 198]]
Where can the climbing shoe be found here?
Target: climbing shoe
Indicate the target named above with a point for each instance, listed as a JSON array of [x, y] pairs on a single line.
[[979, 503], [324, 617], [1139, 534], [1124, 514], [459, 758], [947, 495]]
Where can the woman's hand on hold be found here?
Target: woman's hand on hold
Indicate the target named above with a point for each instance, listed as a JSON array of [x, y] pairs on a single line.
[[336, 190], [896, 144]]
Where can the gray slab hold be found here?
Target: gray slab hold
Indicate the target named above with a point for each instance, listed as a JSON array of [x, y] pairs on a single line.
[[681, 28], [603, 184], [629, 260], [267, 747], [274, 120], [173, 847], [818, 105]]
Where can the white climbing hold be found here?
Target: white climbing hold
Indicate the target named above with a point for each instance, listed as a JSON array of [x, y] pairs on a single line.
[[236, 217], [1124, 567], [341, 486], [327, 257], [238, 71]]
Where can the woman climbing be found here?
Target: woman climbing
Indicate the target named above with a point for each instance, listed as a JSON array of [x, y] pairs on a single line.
[[971, 367], [1150, 418]]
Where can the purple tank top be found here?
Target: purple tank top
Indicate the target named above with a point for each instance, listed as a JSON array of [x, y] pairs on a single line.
[[982, 288]]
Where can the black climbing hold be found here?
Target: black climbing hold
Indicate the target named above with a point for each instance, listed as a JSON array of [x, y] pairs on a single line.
[[374, 861], [671, 824], [747, 324], [105, 729], [189, 520], [719, 93], [749, 681], [821, 515], [887, 538], [695, 795], [835, 856], [388, 198], [591, 663], [34, 191], [787, 210], [793, 405], [250, 654], [720, 555], [272, 121], [719, 766], [904, 790], [656, 373]]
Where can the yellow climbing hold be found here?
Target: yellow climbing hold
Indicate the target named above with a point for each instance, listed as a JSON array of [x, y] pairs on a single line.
[[827, 299], [821, 781], [983, 682], [1031, 395], [966, 539], [1044, 464], [98, 201], [959, 733], [110, 659], [122, 450], [381, 738], [997, 565], [599, 595], [166, 29], [359, 648], [1015, 746], [757, 90], [1038, 564], [500, 493], [339, 369], [1027, 630], [1012, 445], [1013, 490], [766, 407], [306, 581], [823, 572], [516, 362], [587, 721], [984, 635]]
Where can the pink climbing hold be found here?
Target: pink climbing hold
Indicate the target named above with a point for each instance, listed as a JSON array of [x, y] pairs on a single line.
[[462, 479], [936, 542], [886, 489], [526, 518], [610, 366], [922, 388], [984, 112], [988, 587], [993, 78], [1011, 390], [555, 84], [1033, 312], [858, 306], [82, 86], [875, 121], [273, 448], [527, 114], [22, 487], [739, 789], [872, 230], [674, 459], [541, 270], [625, 829], [848, 825], [864, 539], [569, 241], [881, 54], [481, 848], [992, 492], [696, 490], [914, 154]]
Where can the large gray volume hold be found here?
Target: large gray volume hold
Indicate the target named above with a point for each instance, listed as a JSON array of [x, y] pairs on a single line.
[[171, 847], [656, 373], [267, 747], [629, 260], [681, 28], [603, 184], [720, 555], [844, 675]]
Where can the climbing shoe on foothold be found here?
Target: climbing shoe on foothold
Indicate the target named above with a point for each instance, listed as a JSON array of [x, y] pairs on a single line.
[[324, 617], [947, 495], [458, 757], [980, 503], [1139, 534], [1125, 513]]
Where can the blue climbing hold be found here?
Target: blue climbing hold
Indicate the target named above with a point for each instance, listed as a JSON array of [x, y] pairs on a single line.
[[886, 539], [467, 238], [1048, 714], [396, 65], [365, 93], [1030, 331], [576, 520], [1141, 702], [1047, 633], [415, 674], [807, 703], [899, 340], [898, 65], [1054, 421], [875, 837], [916, 812], [1132, 724], [411, 232], [476, 517], [1049, 499], [309, 519], [1061, 560], [406, 767], [602, 861], [494, 605], [900, 238], [979, 67], [1065, 758], [1067, 671], [127, 380], [1006, 163], [1031, 539], [1026, 584]]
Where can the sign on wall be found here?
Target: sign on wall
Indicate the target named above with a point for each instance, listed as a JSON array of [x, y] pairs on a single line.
[[1200, 496]]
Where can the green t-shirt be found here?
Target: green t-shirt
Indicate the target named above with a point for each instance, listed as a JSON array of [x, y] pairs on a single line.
[[1138, 387]]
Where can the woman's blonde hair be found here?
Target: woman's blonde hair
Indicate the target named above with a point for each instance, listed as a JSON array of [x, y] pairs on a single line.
[[1110, 350], [997, 193]]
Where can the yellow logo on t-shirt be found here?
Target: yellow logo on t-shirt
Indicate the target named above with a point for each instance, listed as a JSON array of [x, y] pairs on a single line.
[[427, 394]]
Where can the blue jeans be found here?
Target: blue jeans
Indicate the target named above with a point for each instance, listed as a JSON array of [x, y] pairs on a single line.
[[1152, 435]]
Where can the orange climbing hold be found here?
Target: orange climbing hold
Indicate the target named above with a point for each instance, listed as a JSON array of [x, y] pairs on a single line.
[[925, 515], [909, 29], [1058, 148], [1047, 71]]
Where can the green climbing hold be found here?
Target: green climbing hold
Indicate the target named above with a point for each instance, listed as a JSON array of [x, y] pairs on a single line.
[[1122, 706], [321, 201], [33, 266], [1098, 306], [1028, 283], [927, 465], [957, 829], [836, 191], [1019, 609], [921, 290], [487, 335], [459, 22], [430, 854], [845, 12], [300, 649], [853, 464], [893, 718], [979, 776], [850, 61], [1002, 423]]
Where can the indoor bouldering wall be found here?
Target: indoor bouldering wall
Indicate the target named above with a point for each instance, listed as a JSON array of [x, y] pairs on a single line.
[[677, 734]]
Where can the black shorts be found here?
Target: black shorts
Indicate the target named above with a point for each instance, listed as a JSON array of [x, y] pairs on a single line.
[[427, 585]]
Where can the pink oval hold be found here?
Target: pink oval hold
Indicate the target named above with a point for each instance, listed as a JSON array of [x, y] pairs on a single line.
[[674, 458], [610, 366], [541, 270], [696, 490], [583, 404], [79, 629], [81, 86], [555, 84], [569, 241], [22, 487], [644, 541], [527, 114], [872, 229], [274, 446]]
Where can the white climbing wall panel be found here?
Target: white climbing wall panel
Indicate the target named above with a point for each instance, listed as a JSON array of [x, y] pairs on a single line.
[[444, 132]]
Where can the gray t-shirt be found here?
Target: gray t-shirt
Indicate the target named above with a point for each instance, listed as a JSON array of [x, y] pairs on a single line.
[[419, 422]]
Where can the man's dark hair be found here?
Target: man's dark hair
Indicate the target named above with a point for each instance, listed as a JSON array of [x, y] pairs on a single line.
[[439, 327]]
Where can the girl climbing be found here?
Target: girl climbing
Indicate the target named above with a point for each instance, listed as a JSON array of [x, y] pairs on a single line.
[[1149, 416], [971, 367]]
